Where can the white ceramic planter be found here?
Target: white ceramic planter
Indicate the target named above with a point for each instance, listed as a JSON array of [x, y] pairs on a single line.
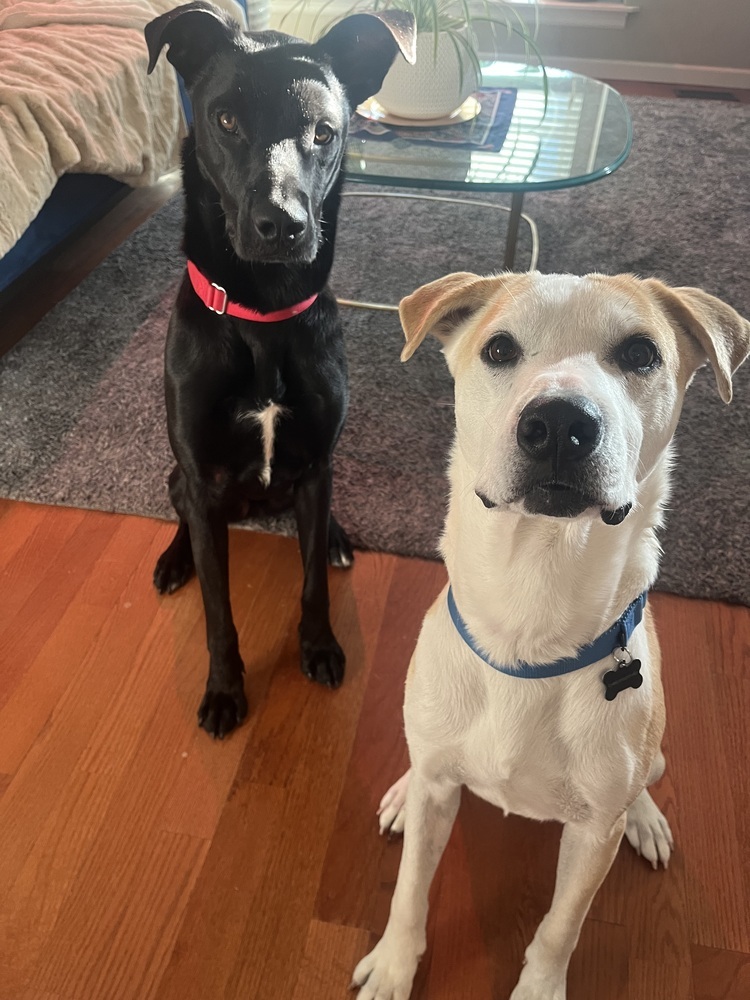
[[430, 88]]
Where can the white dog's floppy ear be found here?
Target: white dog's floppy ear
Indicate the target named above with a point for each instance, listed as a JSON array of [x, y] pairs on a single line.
[[723, 335], [439, 307], [193, 32], [362, 47]]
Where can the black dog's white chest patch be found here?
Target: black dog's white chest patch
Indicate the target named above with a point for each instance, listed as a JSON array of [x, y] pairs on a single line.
[[266, 420]]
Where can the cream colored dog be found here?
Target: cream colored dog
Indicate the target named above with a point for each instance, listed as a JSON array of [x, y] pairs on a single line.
[[568, 391]]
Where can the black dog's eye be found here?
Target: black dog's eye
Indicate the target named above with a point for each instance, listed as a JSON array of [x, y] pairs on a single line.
[[502, 350], [638, 354], [323, 134], [228, 121]]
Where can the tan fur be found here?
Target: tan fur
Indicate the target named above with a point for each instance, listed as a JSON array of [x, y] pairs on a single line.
[[658, 718]]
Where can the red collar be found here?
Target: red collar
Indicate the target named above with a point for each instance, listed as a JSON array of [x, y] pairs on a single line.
[[215, 298]]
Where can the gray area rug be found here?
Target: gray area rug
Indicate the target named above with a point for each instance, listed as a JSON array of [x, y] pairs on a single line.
[[81, 410]]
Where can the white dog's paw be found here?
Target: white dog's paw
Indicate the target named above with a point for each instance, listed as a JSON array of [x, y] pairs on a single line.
[[648, 831], [535, 987], [391, 809], [387, 973]]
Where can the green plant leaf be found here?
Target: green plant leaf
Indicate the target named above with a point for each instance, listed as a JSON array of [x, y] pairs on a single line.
[[456, 18]]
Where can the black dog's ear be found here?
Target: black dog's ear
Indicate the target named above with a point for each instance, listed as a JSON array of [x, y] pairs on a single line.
[[193, 32], [362, 47]]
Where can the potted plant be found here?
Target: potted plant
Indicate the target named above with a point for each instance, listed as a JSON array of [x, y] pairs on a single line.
[[447, 69]]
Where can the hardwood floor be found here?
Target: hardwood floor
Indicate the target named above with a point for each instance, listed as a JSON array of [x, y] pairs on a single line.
[[142, 860]]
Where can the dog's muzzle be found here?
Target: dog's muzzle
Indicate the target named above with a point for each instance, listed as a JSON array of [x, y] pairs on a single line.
[[559, 430], [269, 234], [556, 436], [277, 227]]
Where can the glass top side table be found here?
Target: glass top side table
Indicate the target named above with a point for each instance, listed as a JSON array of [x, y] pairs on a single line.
[[580, 134]]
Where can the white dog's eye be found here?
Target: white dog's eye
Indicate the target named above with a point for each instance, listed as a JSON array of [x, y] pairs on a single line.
[[502, 350], [638, 354]]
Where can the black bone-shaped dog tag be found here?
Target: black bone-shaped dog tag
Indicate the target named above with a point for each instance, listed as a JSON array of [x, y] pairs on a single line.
[[627, 675]]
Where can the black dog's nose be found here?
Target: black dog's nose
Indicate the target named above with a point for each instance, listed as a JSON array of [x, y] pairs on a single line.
[[565, 428], [274, 225]]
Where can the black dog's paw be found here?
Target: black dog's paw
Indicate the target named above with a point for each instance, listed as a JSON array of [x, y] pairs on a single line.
[[221, 711], [340, 551], [323, 662], [174, 567]]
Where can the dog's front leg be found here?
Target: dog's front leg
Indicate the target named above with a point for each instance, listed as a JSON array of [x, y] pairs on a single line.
[[586, 855], [388, 971], [322, 658], [224, 704]]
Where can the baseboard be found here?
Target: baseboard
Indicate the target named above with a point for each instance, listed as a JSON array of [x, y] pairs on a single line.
[[651, 72]]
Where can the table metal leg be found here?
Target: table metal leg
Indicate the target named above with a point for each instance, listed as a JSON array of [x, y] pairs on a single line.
[[516, 207], [516, 214]]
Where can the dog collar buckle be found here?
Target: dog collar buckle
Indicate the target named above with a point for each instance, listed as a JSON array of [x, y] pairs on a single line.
[[217, 299]]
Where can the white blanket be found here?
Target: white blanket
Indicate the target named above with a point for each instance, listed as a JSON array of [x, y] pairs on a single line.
[[74, 96]]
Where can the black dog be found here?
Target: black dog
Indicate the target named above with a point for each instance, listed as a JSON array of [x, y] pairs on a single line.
[[255, 366]]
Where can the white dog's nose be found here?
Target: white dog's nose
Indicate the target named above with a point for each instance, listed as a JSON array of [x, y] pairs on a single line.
[[562, 429]]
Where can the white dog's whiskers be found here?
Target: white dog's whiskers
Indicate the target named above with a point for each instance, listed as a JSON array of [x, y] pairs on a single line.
[[266, 420]]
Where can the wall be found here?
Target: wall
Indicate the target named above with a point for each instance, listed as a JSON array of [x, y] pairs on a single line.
[[693, 32], [673, 41]]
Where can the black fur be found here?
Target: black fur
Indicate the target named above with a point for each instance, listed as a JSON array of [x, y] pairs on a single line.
[[261, 225]]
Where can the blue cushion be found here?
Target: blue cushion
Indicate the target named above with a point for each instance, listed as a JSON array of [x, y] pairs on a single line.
[[75, 201]]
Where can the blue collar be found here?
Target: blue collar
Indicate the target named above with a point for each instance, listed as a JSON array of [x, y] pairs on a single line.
[[614, 638]]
